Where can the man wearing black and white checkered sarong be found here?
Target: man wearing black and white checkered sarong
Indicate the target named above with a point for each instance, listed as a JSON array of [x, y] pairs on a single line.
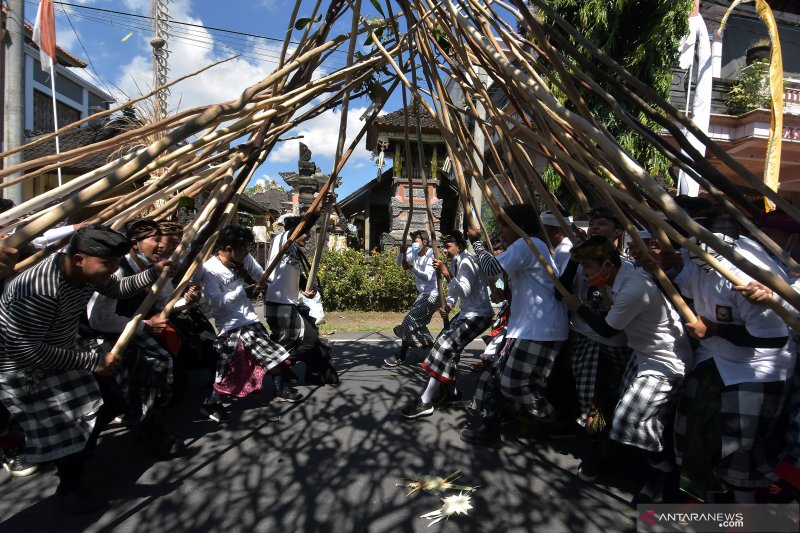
[[467, 285], [736, 393], [652, 379], [537, 325], [146, 376], [289, 322], [229, 280], [413, 331], [59, 395], [597, 363]]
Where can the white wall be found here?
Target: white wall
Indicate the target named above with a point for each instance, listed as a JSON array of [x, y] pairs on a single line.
[[31, 84]]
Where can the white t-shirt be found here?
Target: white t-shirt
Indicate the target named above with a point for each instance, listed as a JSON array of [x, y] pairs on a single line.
[[226, 296], [422, 268], [755, 253], [468, 285], [535, 312], [561, 254], [714, 299], [284, 281], [653, 327], [52, 236]]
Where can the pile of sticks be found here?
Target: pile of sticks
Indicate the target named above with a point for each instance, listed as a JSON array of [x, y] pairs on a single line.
[[417, 44]]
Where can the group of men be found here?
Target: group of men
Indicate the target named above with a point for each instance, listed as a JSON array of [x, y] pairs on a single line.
[[64, 374], [710, 403], [583, 336]]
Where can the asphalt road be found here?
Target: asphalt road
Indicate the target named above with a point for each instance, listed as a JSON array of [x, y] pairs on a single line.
[[331, 463]]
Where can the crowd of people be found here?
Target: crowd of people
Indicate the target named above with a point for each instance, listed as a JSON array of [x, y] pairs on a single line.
[[579, 337], [64, 376], [710, 404]]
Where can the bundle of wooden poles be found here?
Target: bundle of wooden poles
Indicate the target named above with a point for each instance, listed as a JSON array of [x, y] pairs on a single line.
[[216, 149]]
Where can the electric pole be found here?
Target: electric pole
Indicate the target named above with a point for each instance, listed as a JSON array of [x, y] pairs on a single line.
[[160, 14], [14, 98]]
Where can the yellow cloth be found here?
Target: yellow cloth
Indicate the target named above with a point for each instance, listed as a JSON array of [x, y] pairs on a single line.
[[772, 161]]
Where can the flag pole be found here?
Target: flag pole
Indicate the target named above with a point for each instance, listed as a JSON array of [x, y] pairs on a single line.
[[55, 116], [44, 36]]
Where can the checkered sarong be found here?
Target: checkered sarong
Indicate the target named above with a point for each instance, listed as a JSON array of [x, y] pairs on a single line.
[[414, 329], [788, 458], [646, 407], [486, 385], [255, 338], [145, 376], [524, 370], [722, 432], [286, 324], [442, 361], [57, 409], [590, 358]]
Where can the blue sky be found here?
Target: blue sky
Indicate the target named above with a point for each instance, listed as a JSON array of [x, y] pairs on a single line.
[[117, 47]]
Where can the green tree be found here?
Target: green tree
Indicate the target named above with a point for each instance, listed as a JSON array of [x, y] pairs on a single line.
[[643, 37]]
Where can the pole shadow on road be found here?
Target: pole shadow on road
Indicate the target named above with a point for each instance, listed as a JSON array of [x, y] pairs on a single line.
[[331, 463]]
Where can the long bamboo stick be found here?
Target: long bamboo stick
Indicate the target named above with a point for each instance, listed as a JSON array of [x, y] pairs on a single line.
[[497, 208], [323, 227], [215, 203]]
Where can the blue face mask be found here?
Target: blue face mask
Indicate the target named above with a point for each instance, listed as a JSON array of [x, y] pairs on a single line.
[[144, 259], [415, 247]]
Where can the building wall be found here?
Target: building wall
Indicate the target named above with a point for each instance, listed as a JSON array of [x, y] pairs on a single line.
[[75, 96]]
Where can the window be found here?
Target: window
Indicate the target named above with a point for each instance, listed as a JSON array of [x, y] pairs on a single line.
[[43, 113]]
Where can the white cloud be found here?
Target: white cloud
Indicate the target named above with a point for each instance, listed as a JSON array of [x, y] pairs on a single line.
[[190, 50], [227, 81], [270, 5], [67, 40], [138, 5], [321, 135]]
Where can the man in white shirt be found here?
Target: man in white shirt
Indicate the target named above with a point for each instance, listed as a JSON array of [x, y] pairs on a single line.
[[555, 234], [229, 281], [654, 373], [597, 362], [194, 342], [786, 462], [734, 395], [290, 324], [414, 329], [536, 328], [467, 285], [146, 377]]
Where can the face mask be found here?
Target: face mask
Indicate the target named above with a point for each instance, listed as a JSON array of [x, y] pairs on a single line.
[[415, 247], [144, 259], [600, 279]]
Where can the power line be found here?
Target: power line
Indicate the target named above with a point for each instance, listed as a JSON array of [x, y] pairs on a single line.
[[88, 57], [255, 52], [180, 23], [188, 37]]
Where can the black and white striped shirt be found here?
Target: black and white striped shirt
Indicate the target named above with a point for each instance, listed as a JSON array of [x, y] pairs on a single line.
[[39, 314]]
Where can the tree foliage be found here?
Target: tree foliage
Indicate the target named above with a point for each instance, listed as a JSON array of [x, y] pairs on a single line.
[[643, 37], [751, 89], [352, 281]]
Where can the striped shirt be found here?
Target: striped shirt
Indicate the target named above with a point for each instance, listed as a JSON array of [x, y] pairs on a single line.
[[39, 315]]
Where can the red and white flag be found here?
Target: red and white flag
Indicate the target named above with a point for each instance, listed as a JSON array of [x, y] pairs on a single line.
[[44, 35]]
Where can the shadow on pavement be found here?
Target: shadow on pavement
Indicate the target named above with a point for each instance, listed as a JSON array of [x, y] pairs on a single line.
[[331, 463]]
